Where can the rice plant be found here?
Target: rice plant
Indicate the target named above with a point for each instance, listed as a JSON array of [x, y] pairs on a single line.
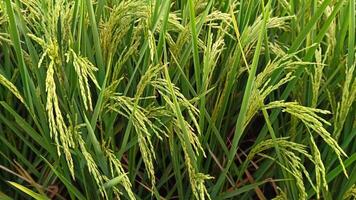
[[173, 99]]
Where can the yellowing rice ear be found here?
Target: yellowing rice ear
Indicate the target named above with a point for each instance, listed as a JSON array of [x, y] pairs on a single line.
[[91, 164], [311, 119], [293, 163], [85, 71], [350, 193], [320, 173], [58, 129], [143, 126], [116, 27], [347, 99], [317, 76], [12, 88], [118, 171]]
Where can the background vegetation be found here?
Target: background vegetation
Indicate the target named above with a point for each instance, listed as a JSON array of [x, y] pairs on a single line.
[[173, 99]]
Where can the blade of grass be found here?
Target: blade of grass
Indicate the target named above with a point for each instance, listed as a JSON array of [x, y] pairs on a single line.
[[28, 191]]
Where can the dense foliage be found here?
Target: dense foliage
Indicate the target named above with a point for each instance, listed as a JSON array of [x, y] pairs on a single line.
[[173, 99]]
